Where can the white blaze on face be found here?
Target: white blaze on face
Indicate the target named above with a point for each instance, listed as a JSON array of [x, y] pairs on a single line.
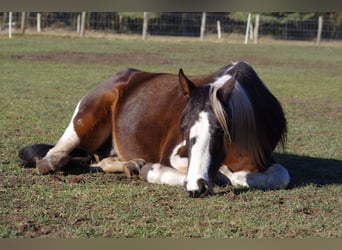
[[200, 157]]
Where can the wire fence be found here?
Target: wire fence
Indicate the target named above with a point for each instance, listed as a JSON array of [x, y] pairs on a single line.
[[172, 24]]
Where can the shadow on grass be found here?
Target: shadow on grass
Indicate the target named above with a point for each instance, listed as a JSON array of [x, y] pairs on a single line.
[[303, 170], [309, 170]]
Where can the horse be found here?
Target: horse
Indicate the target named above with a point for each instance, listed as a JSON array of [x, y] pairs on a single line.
[[173, 129]]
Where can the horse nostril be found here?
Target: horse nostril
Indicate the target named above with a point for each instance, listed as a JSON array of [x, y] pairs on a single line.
[[203, 189], [193, 194]]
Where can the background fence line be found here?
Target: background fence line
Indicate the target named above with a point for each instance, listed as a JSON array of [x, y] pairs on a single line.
[[301, 26]]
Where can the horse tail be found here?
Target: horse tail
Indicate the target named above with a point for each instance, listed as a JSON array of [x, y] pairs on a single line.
[[30, 154], [257, 120]]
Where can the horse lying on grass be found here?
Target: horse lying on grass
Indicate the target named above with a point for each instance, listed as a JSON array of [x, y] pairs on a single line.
[[171, 129]]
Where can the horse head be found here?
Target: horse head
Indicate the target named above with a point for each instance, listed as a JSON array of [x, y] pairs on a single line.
[[204, 125]]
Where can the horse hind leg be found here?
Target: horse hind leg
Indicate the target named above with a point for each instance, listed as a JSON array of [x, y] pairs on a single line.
[[59, 155]]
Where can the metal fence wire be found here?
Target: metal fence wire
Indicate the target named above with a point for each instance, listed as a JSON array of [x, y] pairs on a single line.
[[176, 24]]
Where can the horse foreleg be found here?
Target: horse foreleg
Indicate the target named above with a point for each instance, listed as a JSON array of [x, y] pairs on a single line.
[[157, 173], [275, 177]]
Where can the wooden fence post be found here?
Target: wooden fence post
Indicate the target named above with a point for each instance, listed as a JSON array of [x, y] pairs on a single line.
[[247, 28], [256, 28], [219, 34], [145, 25], [204, 15], [78, 23], [22, 24], [120, 24], [39, 24], [319, 30], [10, 25], [83, 21]]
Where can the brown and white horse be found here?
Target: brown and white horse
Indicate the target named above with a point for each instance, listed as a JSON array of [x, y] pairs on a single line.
[[171, 129]]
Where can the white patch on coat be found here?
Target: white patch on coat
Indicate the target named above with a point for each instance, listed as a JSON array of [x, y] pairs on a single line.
[[69, 140], [160, 174], [178, 162], [275, 177], [200, 156]]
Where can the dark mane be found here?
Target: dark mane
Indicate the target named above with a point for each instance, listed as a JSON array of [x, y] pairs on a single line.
[[270, 122]]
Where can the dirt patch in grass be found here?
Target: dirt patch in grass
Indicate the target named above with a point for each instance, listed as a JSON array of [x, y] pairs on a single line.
[[113, 59], [144, 57]]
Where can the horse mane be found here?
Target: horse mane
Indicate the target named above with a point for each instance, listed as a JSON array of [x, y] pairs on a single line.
[[219, 112], [252, 119]]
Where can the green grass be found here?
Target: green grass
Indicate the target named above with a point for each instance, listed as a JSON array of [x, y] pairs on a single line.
[[42, 79]]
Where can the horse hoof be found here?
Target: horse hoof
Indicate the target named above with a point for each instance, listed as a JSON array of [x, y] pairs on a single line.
[[133, 167], [44, 167]]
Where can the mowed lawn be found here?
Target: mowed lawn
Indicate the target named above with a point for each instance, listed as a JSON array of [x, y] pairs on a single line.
[[42, 79]]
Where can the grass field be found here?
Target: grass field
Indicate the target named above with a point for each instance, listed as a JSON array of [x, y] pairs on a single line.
[[42, 79]]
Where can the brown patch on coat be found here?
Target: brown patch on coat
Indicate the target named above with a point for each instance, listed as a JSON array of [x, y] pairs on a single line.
[[237, 161]]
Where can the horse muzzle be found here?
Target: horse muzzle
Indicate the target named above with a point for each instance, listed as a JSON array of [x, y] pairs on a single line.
[[200, 190]]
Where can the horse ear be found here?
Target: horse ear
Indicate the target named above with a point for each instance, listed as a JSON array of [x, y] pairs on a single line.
[[186, 85], [226, 90]]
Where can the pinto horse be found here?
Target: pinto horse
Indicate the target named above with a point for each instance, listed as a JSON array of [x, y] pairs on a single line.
[[171, 129]]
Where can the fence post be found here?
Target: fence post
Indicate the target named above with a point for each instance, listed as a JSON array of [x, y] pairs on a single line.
[[10, 25], [204, 15], [219, 35], [83, 21], [256, 28], [120, 24], [247, 28], [145, 25], [22, 24], [78, 23], [319, 31], [39, 24]]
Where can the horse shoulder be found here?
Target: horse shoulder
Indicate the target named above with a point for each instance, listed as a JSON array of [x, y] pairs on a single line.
[[147, 111]]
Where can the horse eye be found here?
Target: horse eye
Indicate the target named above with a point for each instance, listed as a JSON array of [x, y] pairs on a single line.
[[192, 140]]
